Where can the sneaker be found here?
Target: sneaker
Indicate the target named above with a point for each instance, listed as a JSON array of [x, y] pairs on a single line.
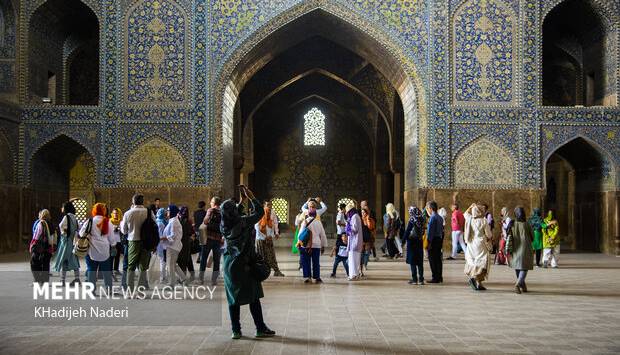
[[422, 282], [236, 335], [481, 288], [307, 281], [265, 333], [278, 273], [450, 258], [524, 288], [517, 290], [318, 281], [411, 282]]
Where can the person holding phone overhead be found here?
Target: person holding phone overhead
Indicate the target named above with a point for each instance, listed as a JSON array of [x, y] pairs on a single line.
[[242, 286]]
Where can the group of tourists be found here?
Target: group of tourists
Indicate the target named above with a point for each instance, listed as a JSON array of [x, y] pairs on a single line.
[[146, 234]]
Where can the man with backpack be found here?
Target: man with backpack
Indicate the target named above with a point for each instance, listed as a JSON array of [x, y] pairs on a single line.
[[210, 240], [139, 241]]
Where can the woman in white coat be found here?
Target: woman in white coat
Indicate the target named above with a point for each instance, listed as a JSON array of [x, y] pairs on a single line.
[[478, 237]]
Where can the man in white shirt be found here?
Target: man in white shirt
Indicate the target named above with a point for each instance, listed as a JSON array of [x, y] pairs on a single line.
[[137, 256]]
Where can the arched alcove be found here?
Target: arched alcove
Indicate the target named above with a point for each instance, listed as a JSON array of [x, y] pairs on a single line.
[[578, 63], [577, 176], [155, 162], [63, 54]]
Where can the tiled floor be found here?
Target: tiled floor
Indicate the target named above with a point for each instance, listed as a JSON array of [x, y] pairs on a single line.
[[574, 309]]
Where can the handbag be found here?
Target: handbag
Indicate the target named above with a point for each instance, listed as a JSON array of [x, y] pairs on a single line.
[[259, 269], [80, 248]]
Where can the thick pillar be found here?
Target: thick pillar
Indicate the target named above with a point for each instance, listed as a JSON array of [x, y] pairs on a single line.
[[616, 222]]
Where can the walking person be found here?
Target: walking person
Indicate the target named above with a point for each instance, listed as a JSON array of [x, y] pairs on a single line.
[[434, 234], [507, 222], [162, 222], [199, 217], [65, 259], [311, 253], [369, 227], [519, 249], [242, 287], [41, 247], [172, 238], [116, 217], [415, 245], [373, 232], [536, 222], [478, 236], [137, 256], [355, 241], [551, 241], [98, 258], [457, 224], [266, 231], [391, 227], [185, 255], [211, 240]]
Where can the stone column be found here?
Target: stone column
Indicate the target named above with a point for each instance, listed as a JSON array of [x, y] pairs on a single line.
[[397, 195]]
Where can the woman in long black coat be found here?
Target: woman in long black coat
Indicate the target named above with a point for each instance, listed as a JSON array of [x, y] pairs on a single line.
[[241, 286]]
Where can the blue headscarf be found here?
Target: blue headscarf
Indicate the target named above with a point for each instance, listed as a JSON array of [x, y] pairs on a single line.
[[161, 216], [174, 210]]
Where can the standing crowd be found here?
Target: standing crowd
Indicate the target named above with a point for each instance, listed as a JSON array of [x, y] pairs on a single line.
[[145, 237]]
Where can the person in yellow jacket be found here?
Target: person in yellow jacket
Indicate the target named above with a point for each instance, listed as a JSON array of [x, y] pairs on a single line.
[[551, 240]]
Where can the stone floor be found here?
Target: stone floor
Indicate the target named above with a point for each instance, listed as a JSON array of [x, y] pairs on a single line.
[[574, 309]]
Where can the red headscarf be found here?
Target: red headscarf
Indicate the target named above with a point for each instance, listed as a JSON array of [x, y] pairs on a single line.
[[266, 221], [99, 209]]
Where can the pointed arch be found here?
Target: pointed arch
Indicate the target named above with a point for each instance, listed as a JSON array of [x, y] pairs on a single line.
[[388, 56], [484, 164], [608, 163], [155, 162]]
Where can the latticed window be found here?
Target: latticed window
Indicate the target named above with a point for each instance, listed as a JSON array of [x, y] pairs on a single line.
[[314, 127], [344, 200], [280, 207], [81, 209]]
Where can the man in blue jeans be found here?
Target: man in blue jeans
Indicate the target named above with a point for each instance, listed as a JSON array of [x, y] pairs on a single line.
[[434, 235]]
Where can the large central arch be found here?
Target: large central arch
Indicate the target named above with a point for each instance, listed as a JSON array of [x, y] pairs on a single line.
[[369, 42]]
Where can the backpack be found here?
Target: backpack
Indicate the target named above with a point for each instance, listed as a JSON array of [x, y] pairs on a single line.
[[80, 248], [305, 237], [41, 245], [214, 221], [149, 233]]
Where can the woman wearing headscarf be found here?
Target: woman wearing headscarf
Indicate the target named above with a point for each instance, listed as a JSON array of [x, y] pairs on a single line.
[[65, 259], [478, 237], [414, 237], [185, 255], [41, 247], [172, 238], [266, 231], [101, 240], [355, 242], [519, 247], [162, 222], [507, 222], [116, 218], [535, 221], [242, 287], [551, 240], [391, 227]]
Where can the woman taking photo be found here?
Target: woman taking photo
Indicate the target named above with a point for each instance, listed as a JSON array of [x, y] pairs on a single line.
[[242, 287]]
